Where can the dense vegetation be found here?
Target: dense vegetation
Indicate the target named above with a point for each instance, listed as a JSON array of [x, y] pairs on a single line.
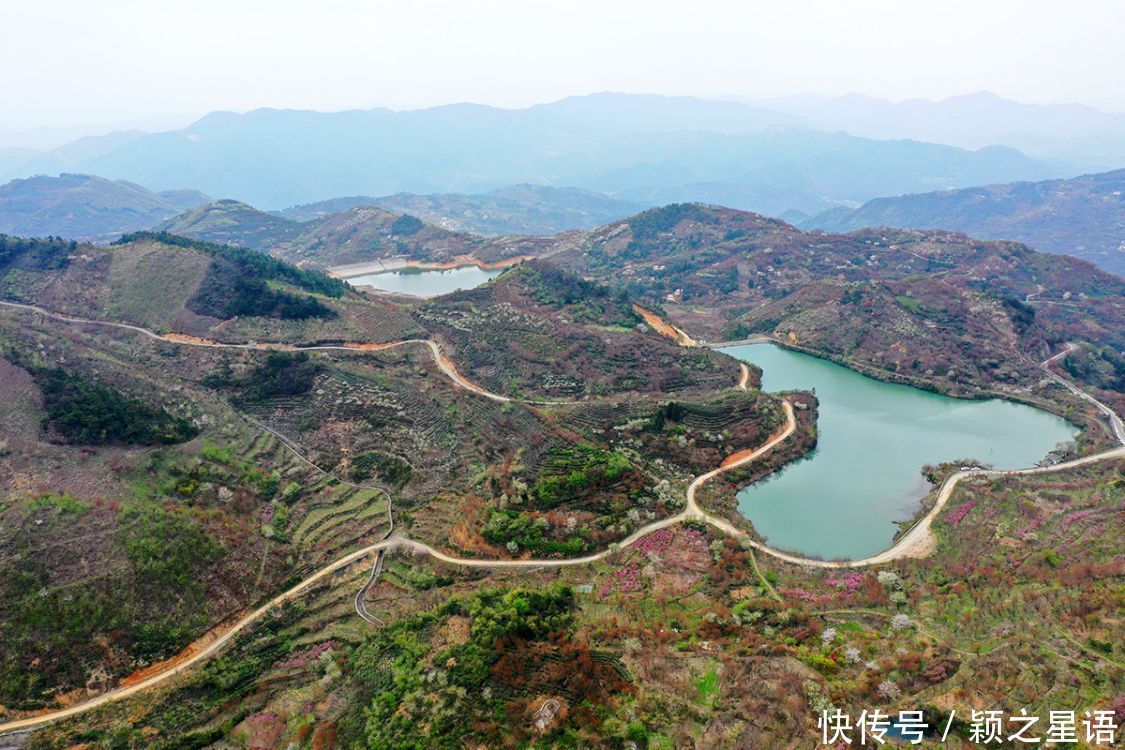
[[575, 473], [151, 610], [35, 254], [389, 469], [407, 225], [649, 224], [85, 412]]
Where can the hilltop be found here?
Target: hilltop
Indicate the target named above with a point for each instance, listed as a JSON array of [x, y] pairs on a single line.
[[361, 234], [1083, 216], [537, 329], [231, 222], [87, 208]]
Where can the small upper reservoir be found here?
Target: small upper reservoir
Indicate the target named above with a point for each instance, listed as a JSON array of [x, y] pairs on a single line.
[[841, 501], [426, 282]]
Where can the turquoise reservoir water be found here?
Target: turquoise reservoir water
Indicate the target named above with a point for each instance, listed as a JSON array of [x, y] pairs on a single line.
[[427, 283], [873, 439]]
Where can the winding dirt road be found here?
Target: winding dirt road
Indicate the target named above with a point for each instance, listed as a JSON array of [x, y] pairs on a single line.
[[915, 543]]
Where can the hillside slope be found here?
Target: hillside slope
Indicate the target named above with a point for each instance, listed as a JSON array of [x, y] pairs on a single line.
[[933, 308], [1083, 216], [357, 235]]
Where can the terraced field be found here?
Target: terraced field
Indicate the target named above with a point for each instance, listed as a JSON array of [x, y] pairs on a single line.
[[353, 513]]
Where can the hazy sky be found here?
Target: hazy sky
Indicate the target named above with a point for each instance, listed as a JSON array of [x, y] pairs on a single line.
[[64, 62]]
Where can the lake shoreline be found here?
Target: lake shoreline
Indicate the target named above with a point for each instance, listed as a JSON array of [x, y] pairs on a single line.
[[402, 263], [855, 494], [417, 282], [1089, 426]]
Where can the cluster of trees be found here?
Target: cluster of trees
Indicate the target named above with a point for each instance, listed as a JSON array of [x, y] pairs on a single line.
[[281, 374], [1099, 366], [81, 411], [233, 291], [154, 608], [655, 221], [512, 527], [37, 254], [407, 225], [390, 469]]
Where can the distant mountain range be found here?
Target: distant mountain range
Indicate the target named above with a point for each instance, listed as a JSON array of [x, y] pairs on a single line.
[[1083, 216], [87, 208], [1075, 133], [638, 148]]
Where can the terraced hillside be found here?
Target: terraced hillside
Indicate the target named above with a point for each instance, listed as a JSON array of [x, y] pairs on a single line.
[[685, 640], [119, 552], [231, 222]]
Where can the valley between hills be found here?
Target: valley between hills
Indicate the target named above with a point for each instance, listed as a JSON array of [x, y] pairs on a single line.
[[213, 447]]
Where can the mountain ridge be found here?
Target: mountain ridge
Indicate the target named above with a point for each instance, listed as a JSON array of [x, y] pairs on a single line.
[[626, 145], [1083, 216], [86, 207]]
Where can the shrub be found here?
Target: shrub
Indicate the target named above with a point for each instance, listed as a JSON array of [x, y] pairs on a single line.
[[282, 374], [389, 469], [407, 225]]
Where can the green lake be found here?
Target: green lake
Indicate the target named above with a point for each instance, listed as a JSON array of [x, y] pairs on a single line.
[[841, 501], [428, 283]]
